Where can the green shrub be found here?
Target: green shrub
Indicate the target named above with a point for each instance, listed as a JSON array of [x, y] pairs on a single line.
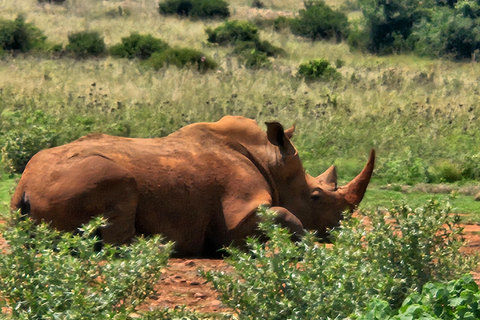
[[390, 23], [138, 46], [457, 299], [195, 8], [462, 37], [85, 44], [17, 35], [387, 258], [317, 69], [232, 32], [181, 57], [409, 169], [281, 23], [255, 59], [445, 171], [22, 135], [319, 21], [471, 167], [47, 274], [52, 1], [258, 4], [244, 36]]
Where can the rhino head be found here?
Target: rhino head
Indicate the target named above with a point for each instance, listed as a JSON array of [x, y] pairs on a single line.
[[316, 201]]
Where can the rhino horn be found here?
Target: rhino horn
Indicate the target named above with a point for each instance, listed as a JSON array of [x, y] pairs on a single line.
[[329, 178], [355, 189]]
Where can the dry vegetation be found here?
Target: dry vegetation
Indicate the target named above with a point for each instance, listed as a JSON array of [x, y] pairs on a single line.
[[408, 108]]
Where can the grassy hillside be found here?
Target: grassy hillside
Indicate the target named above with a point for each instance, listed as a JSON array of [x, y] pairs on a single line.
[[419, 114]]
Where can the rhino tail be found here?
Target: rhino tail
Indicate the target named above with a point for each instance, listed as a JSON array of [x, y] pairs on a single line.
[[20, 202]]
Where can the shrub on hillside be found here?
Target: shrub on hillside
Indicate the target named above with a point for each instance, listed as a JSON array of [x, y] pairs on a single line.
[[17, 35], [181, 57], [319, 21], [232, 32], [374, 256], [462, 37], [255, 59], [243, 35], [317, 69], [22, 135], [85, 44], [195, 8], [389, 22], [446, 33], [51, 1], [47, 274], [138, 46]]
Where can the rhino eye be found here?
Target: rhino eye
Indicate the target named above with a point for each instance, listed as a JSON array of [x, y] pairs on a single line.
[[315, 196]]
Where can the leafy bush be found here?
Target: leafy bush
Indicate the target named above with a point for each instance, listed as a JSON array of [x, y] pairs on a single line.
[[47, 274], [85, 44], [232, 32], [457, 299], [445, 171], [17, 35], [22, 135], [462, 37], [138, 46], [52, 1], [374, 256], [255, 59], [319, 21], [244, 36], [390, 23], [181, 57], [317, 69], [195, 8], [281, 23]]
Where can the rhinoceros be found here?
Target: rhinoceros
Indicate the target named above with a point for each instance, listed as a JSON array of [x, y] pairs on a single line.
[[200, 186]]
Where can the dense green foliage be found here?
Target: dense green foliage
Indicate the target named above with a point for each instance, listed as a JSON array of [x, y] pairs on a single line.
[[244, 36], [430, 28], [457, 299], [318, 69], [19, 36], [373, 257], [85, 44], [46, 274], [52, 1], [181, 57], [138, 46], [22, 135], [318, 21], [232, 32], [195, 8]]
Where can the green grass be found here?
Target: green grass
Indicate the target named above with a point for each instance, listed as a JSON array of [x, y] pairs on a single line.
[[465, 205], [7, 185]]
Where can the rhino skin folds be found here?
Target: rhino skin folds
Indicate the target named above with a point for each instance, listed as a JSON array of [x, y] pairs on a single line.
[[199, 186]]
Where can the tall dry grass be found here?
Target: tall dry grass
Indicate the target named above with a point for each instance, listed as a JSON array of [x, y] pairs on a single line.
[[415, 111]]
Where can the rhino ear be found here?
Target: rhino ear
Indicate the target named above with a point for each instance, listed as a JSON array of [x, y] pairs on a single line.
[[328, 179], [290, 131], [276, 135]]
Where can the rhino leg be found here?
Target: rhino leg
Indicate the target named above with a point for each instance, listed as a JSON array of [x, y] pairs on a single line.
[[288, 220], [115, 197]]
